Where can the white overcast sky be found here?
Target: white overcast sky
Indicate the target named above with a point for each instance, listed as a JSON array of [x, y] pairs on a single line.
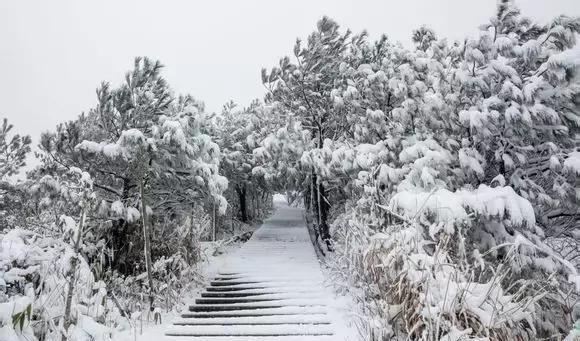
[[53, 54]]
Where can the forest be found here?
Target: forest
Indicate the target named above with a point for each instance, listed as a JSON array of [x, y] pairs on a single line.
[[440, 181]]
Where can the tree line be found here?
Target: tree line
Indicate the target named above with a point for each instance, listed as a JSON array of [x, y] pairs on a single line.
[[440, 182]]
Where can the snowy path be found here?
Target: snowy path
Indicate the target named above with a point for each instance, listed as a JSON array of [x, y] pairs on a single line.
[[270, 289]]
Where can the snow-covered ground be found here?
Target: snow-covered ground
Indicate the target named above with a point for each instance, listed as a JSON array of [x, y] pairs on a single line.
[[279, 267], [212, 261]]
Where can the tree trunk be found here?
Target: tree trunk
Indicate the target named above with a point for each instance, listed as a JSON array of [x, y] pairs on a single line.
[[251, 204], [72, 276], [243, 206], [232, 221], [258, 203], [323, 213], [213, 222], [314, 200], [306, 198], [320, 207], [321, 202], [314, 206], [147, 246], [255, 204]]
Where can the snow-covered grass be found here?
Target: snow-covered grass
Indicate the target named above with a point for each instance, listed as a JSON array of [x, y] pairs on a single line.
[[144, 328]]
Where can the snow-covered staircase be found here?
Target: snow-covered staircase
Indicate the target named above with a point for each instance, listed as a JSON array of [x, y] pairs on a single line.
[[271, 289]]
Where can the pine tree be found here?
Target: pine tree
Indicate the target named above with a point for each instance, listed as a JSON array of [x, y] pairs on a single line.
[[12, 150], [145, 149]]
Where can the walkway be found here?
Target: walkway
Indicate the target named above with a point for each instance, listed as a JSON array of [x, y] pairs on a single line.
[[270, 289]]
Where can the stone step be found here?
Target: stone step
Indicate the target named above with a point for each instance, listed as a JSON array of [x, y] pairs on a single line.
[[222, 278], [266, 319], [234, 314], [249, 330], [273, 287], [199, 308], [232, 294], [280, 300], [230, 283], [275, 282], [233, 288], [232, 300], [291, 294], [210, 322], [271, 290], [283, 311], [252, 338]]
